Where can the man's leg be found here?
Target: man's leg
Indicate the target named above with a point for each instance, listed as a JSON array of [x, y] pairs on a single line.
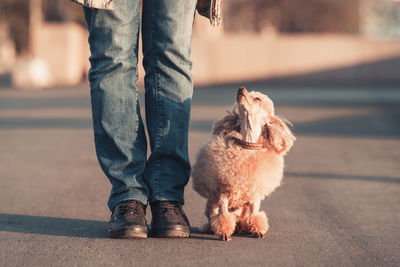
[[167, 35], [118, 128]]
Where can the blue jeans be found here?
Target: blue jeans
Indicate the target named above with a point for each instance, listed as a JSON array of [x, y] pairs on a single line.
[[119, 132]]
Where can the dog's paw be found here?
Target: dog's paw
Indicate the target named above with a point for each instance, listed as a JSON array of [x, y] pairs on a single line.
[[260, 235], [258, 225], [223, 225], [225, 237]]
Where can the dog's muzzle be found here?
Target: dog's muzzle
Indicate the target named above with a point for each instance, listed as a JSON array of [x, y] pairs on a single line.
[[242, 91]]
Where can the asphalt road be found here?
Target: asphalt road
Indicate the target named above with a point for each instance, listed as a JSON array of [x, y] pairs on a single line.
[[339, 204]]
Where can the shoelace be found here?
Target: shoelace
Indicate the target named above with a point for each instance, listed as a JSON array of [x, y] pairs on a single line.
[[129, 207], [170, 207]]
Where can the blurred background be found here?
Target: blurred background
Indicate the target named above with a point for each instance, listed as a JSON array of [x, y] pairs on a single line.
[[332, 67], [43, 43]]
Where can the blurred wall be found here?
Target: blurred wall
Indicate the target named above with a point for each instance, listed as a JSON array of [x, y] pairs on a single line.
[[7, 49], [220, 57], [292, 16], [380, 18], [321, 40], [64, 47]]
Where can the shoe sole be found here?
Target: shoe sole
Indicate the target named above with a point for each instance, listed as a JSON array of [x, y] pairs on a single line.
[[173, 232], [129, 233]]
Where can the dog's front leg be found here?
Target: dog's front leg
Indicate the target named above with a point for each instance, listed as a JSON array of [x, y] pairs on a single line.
[[257, 221], [224, 223], [211, 211]]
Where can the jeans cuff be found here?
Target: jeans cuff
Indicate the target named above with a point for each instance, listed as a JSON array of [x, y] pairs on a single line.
[[178, 198], [126, 195]]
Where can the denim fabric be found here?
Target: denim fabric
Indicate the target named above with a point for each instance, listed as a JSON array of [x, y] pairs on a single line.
[[119, 132]]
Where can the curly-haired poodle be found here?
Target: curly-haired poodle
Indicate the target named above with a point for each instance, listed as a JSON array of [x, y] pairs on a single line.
[[240, 164]]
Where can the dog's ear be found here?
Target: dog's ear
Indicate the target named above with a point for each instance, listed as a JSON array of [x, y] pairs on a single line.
[[279, 135], [228, 124]]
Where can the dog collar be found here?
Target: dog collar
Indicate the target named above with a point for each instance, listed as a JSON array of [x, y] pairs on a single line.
[[248, 145]]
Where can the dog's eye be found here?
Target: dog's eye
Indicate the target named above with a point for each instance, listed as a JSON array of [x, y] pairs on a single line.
[[258, 99]]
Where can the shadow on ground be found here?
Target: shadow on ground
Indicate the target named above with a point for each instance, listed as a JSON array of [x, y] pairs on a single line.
[[343, 177], [52, 226]]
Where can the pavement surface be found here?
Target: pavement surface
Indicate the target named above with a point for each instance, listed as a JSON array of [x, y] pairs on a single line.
[[339, 204]]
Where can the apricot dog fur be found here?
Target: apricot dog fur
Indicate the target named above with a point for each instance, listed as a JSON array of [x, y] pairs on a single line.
[[240, 164]]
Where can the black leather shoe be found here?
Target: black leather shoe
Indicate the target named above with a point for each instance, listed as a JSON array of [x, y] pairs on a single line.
[[128, 220], [169, 220]]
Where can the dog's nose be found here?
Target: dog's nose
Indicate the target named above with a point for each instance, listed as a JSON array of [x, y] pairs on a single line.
[[241, 90]]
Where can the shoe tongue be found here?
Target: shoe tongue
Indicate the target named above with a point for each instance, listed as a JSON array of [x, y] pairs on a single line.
[[169, 204]]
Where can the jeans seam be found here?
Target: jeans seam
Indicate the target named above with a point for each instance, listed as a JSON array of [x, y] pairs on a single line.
[[157, 164]]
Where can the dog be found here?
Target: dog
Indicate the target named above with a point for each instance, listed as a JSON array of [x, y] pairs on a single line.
[[240, 164]]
